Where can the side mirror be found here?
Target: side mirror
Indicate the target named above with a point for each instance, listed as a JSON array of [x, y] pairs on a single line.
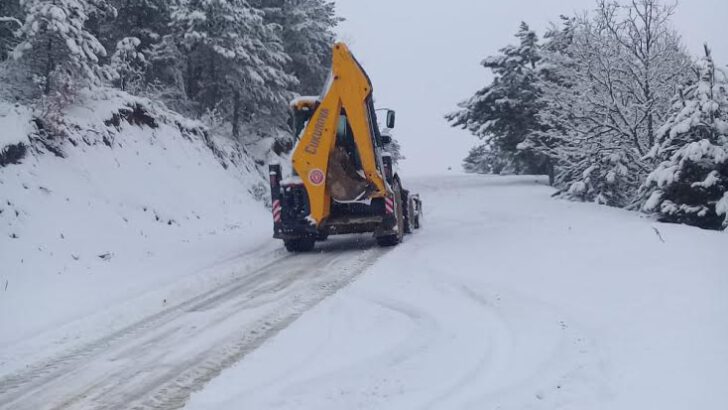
[[386, 139], [391, 119]]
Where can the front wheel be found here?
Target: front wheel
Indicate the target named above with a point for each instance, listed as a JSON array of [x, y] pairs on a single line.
[[299, 245]]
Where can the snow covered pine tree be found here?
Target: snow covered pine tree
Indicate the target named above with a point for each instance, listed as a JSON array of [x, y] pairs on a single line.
[[503, 113], [147, 20], [139, 26], [234, 60], [57, 49], [129, 64], [690, 185], [307, 35], [11, 19]]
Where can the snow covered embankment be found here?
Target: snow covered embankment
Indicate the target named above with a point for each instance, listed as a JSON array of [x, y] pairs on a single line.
[[142, 199], [508, 299]]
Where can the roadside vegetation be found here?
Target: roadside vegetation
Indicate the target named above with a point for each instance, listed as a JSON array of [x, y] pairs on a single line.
[[614, 109]]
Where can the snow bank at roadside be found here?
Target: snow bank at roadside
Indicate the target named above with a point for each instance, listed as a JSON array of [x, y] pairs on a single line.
[[508, 299], [142, 198], [15, 125]]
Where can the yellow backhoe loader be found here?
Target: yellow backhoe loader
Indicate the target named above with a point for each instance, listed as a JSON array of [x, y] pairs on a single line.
[[343, 180]]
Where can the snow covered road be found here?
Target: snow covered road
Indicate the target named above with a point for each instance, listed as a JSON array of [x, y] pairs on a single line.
[[508, 299], [158, 361]]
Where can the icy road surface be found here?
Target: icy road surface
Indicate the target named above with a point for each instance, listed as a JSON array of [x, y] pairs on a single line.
[[158, 361], [508, 299]]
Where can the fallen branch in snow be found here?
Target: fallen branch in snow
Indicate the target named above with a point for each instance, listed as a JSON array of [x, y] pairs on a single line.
[[659, 235], [106, 257], [10, 20], [6, 285], [557, 193]]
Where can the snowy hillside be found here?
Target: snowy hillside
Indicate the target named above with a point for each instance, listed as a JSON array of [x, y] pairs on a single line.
[[141, 198]]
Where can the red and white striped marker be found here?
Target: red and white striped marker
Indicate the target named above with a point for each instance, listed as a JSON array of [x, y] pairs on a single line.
[[389, 205], [277, 211]]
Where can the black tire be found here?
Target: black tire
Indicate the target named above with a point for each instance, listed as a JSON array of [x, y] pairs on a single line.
[[395, 239], [388, 241], [417, 204], [413, 216], [408, 219], [299, 245]]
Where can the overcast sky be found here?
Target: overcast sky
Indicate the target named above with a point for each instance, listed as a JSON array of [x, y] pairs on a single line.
[[423, 57]]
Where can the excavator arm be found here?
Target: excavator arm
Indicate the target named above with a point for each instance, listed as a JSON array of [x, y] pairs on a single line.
[[343, 182], [348, 96]]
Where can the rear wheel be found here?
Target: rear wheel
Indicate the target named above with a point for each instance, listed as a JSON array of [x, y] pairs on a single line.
[[418, 214], [299, 245], [409, 220], [396, 238]]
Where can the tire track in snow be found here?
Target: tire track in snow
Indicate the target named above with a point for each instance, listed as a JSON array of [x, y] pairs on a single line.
[[560, 357], [47, 369], [493, 360], [115, 370], [419, 338]]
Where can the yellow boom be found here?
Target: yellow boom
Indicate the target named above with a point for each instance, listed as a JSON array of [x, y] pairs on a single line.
[[349, 94]]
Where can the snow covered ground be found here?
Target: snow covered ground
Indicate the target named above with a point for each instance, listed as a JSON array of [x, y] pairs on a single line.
[[137, 274], [508, 299], [14, 124]]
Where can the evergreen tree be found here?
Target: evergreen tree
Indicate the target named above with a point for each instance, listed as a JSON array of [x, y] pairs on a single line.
[[234, 60], [137, 28], [553, 74], [308, 37], [690, 185], [11, 19], [129, 64], [486, 159], [57, 49], [146, 20], [307, 34], [166, 72], [505, 112]]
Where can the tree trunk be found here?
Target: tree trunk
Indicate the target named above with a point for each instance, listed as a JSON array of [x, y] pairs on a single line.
[[215, 92], [237, 107], [49, 68], [190, 88], [551, 169]]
